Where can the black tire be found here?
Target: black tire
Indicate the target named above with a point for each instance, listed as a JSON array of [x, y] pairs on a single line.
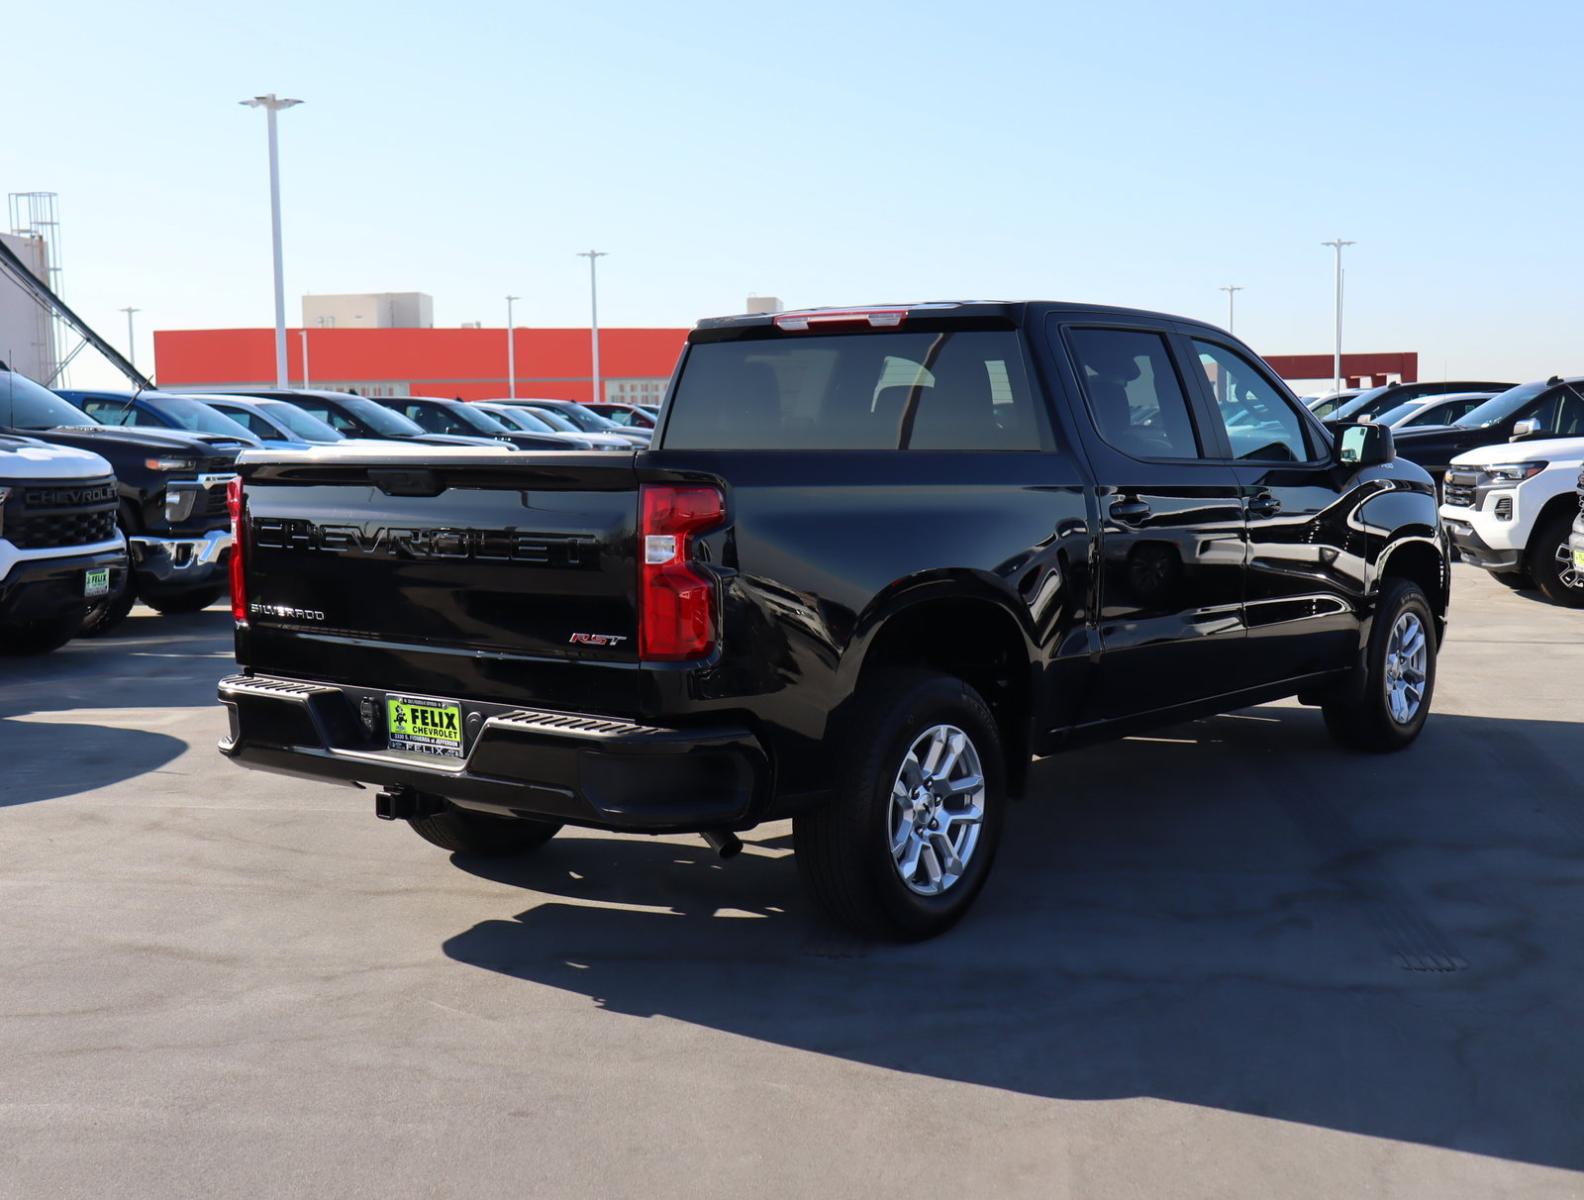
[[1519, 581], [1552, 572], [39, 637], [481, 835], [843, 849], [177, 603], [104, 615], [1361, 717]]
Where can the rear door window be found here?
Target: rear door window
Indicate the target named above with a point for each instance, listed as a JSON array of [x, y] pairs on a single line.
[[946, 390], [1135, 397]]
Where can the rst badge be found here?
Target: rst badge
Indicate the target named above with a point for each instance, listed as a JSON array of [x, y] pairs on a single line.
[[597, 639]]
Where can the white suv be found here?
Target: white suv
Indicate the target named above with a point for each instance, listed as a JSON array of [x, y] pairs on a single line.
[[1509, 508], [60, 549]]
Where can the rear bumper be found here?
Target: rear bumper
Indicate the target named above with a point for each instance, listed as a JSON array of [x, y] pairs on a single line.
[[38, 585], [583, 770]]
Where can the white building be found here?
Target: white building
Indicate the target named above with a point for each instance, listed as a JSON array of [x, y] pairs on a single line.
[[27, 333], [369, 310]]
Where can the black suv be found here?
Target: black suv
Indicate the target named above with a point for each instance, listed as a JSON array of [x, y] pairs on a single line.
[[1549, 408], [876, 560]]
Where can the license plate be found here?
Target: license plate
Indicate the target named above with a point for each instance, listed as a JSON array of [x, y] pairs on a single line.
[[96, 582], [424, 726]]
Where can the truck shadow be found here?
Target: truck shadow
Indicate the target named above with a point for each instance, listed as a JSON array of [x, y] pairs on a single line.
[[1231, 913], [148, 662], [44, 760]]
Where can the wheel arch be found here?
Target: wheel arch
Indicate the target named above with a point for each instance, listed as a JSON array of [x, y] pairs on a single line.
[[962, 625], [1422, 561]]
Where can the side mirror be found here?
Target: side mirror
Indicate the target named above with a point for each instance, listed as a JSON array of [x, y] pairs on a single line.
[[1366, 445], [1527, 428]]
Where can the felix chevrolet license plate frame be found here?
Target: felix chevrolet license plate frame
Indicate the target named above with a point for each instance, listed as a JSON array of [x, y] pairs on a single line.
[[424, 725]]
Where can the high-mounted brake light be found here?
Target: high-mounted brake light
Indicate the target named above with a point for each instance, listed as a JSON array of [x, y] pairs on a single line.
[[236, 505], [875, 318], [676, 601]]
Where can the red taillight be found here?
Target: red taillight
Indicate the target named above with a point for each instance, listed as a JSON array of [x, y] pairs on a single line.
[[236, 504], [676, 602]]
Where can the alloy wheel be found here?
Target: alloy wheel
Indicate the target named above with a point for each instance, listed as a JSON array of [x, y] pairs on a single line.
[[937, 810], [1569, 574], [1407, 659]]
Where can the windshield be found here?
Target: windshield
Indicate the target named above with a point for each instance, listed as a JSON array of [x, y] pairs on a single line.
[[482, 421], [628, 418], [1392, 415], [1500, 407], [197, 417], [1370, 404], [524, 420], [306, 426], [554, 419], [26, 405], [380, 419], [582, 418]]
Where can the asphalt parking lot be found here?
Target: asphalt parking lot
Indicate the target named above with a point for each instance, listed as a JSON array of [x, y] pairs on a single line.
[[1224, 959]]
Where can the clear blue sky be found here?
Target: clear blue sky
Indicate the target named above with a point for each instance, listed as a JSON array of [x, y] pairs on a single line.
[[1136, 153]]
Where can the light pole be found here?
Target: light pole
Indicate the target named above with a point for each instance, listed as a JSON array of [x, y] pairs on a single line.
[[271, 106], [594, 256], [511, 351], [131, 345], [303, 333], [1336, 355], [1231, 289]]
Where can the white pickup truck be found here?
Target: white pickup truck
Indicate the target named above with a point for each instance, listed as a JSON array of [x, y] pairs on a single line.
[[60, 549], [1510, 507]]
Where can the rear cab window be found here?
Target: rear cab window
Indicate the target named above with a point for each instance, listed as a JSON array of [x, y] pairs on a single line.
[[1136, 401], [939, 390]]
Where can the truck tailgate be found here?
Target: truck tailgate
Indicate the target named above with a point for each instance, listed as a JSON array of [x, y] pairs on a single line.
[[508, 578]]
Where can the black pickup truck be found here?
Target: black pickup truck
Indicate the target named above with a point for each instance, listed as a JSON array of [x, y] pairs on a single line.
[[875, 562], [170, 500]]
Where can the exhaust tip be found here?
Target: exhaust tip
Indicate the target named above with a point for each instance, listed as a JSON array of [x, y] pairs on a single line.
[[723, 842]]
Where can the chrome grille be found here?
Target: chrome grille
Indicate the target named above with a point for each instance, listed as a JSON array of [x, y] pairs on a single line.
[[1459, 489]]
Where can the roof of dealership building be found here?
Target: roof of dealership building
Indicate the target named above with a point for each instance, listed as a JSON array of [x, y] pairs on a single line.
[[466, 363]]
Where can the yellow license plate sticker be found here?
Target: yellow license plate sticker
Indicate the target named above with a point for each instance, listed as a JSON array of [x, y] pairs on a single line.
[[1578, 560], [424, 726]]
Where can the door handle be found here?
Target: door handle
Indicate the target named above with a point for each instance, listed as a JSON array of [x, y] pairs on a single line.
[[1264, 505], [1129, 510]]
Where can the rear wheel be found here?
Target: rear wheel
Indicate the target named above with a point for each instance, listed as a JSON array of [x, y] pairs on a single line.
[[1389, 709], [481, 835], [1551, 562], [185, 602], [902, 850]]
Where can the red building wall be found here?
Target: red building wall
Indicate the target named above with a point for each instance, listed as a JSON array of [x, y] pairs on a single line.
[[470, 363], [1403, 364]]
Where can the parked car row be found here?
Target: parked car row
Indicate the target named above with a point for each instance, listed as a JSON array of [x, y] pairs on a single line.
[[169, 506], [1507, 459], [109, 496]]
